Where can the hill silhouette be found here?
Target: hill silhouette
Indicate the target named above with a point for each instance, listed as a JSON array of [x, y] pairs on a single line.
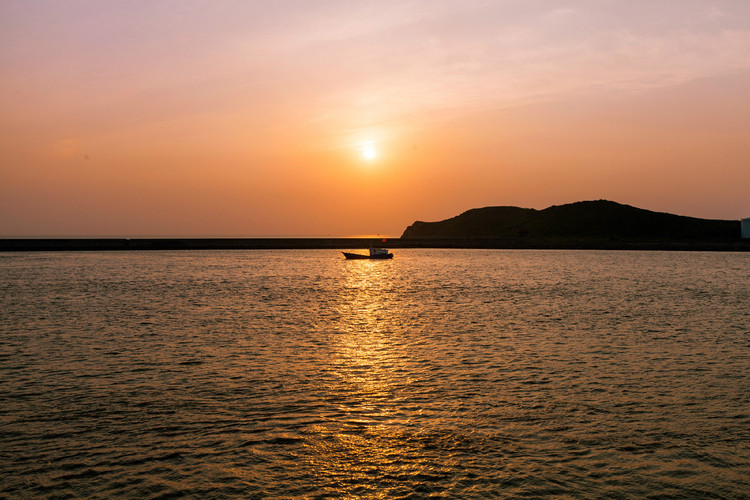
[[599, 220]]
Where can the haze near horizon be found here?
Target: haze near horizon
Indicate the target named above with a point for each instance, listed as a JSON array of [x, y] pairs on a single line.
[[342, 118]]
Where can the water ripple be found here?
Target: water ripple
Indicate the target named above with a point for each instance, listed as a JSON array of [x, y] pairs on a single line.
[[446, 373]]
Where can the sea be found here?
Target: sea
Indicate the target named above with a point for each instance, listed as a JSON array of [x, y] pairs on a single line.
[[442, 373]]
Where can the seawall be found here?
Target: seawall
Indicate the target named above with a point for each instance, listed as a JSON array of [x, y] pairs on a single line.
[[122, 244]]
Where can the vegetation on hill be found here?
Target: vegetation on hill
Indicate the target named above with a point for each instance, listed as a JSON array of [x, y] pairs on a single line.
[[583, 220]]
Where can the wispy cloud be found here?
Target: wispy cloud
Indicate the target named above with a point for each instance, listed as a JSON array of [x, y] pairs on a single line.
[[502, 54], [352, 63]]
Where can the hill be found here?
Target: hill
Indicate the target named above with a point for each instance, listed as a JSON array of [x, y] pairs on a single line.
[[599, 220]]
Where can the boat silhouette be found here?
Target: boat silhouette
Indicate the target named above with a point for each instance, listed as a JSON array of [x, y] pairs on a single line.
[[375, 253]]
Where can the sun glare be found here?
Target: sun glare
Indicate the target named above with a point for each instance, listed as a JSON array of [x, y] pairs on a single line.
[[369, 152]]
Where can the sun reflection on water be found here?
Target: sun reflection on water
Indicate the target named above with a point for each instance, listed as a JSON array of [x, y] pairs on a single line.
[[372, 441]]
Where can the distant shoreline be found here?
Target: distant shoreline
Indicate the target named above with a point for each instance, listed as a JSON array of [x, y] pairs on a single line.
[[130, 244]]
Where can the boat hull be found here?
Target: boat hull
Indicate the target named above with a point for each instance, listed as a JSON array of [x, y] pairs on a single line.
[[355, 256]]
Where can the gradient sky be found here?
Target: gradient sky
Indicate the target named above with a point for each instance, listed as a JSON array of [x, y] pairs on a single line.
[[249, 118]]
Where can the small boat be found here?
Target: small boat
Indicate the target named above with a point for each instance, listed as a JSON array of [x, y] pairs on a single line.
[[375, 253]]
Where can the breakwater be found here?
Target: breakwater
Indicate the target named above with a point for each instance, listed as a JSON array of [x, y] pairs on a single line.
[[119, 244]]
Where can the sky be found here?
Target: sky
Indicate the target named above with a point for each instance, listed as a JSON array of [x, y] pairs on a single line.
[[346, 118]]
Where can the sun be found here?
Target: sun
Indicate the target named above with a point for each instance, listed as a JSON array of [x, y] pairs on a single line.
[[369, 152]]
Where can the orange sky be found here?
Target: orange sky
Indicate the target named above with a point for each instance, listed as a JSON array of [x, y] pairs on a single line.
[[249, 118]]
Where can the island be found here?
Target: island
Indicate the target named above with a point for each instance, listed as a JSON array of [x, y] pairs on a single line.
[[584, 224]]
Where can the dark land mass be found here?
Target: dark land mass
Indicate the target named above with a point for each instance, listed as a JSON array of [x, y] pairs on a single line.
[[593, 224], [582, 225]]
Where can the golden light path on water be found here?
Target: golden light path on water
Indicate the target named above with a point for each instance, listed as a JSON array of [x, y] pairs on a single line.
[[368, 367]]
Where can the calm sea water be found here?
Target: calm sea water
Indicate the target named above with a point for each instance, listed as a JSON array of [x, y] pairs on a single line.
[[445, 373]]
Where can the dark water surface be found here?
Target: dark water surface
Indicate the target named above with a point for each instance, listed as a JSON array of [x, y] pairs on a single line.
[[445, 373]]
